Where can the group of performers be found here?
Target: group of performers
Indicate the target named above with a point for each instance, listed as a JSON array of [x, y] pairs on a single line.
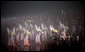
[[31, 37]]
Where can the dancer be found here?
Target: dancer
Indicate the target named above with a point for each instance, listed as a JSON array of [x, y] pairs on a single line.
[[63, 31], [26, 42]]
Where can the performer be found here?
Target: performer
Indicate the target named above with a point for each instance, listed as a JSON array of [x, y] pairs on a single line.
[[54, 36], [43, 36], [63, 31], [18, 41], [26, 42], [22, 41], [12, 40], [37, 39]]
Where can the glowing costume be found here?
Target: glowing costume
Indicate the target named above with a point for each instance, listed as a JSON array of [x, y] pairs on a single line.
[[64, 28], [37, 39], [26, 41]]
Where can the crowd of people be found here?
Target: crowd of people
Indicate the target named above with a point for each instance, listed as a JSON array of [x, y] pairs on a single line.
[[31, 37]]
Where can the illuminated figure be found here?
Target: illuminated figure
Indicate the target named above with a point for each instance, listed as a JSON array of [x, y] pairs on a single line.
[[11, 40], [63, 29], [54, 35], [43, 36], [38, 42], [37, 39], [26, 41]]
